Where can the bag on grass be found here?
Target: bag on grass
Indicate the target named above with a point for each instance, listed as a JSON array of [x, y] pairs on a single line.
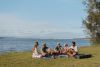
[[82, 56]]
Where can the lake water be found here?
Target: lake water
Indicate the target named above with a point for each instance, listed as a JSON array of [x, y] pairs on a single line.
[[26, 44]]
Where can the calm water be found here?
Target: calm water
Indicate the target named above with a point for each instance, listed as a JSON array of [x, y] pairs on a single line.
[[24, 44]]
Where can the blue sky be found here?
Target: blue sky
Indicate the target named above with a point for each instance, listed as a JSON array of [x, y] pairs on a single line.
[[41, 18]]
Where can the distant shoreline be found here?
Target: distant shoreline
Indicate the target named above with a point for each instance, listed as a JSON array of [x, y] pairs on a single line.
[[44, 38]]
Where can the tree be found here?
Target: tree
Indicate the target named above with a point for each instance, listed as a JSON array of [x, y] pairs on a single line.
[[92, 22]]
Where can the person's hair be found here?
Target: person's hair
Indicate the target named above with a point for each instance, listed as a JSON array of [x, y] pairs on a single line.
[[44, 45], [74, 43], [58, 43], [36, 44], [65, 44]]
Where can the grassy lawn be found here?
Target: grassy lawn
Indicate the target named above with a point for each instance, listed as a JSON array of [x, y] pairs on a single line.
[[23, 59]]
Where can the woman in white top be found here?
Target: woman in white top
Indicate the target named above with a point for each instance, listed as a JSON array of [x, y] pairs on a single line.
[[36, 53]]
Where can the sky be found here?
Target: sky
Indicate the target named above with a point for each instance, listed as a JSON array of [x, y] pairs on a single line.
[[54, 19]]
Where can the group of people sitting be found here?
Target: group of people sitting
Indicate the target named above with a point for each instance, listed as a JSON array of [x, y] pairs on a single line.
[[58, 50]]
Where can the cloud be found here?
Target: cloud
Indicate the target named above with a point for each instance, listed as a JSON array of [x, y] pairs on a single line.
[[12, 26]]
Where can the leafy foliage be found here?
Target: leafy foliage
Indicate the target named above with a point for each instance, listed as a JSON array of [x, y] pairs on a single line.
[[92, 22]]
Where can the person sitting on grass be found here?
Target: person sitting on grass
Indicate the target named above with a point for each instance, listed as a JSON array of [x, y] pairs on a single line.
[[46, 51], [65, 49], [35, 51], [72, 50], [58, 49], [74, 47]]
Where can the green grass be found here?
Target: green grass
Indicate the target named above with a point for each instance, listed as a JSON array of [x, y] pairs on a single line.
[[24, 59]]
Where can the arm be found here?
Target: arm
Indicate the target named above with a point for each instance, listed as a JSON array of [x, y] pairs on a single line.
[[33, 49], [76, 49]]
